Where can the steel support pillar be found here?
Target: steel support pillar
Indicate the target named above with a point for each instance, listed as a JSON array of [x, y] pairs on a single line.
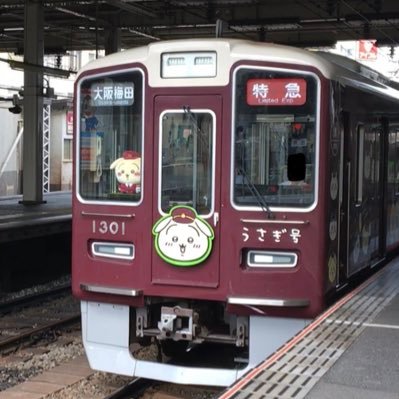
[[32, 179], [112, 40], [46, 147]]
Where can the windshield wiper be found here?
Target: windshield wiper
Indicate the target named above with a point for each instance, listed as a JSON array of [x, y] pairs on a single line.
[[260, 199], [247, 181], [198, 132]]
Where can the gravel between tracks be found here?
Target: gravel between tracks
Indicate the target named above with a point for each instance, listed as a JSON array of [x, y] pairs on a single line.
[[29, 362], [96, 386]]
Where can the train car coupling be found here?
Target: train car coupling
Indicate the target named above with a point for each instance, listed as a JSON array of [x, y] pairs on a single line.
[[183, 324]]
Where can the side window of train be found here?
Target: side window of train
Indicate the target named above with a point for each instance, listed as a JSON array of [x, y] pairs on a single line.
[[110, 137], [275, 134], [359, 164], [393, 164]]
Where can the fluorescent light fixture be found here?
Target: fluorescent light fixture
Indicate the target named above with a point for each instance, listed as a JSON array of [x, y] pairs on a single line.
[[200, 64], [260, 258]]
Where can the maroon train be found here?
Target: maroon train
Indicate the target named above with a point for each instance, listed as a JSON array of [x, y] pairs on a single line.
[[224, 191]]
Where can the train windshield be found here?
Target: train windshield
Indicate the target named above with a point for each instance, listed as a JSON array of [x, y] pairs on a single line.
[[187, 158], [110, 137], [275, 138]]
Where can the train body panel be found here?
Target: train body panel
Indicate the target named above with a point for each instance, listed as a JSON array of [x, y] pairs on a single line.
[[224, 193]]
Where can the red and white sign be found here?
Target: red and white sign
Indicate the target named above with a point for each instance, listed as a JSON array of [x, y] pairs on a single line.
[[367, 50], [276, 92], [69, 122]]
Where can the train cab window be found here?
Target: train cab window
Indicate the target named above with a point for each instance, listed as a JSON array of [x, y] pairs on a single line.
[[187, 145], [109, 139], [275, 137]]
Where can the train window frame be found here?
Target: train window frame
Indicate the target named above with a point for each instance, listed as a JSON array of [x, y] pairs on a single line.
[[317, 103], [77, 145], [359, 172], [213, 159]]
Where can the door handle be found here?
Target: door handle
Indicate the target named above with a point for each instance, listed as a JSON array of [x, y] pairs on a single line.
[[215, 218]]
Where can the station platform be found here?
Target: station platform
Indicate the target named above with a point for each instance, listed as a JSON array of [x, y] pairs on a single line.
[[19, 221], [35, 240], [350, 351]]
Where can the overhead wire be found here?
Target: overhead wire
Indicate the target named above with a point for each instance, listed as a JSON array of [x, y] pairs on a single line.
[[339, 24], [370, 22], [321, 16]]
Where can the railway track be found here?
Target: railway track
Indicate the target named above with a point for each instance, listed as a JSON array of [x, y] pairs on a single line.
[[141, 388], [132, 390], [14, 303], [31, 317], [146, 389]]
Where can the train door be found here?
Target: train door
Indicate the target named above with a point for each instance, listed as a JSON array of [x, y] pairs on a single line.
[[377, 176], [186, 204], [360, 235], [383, 188], [344, 190]]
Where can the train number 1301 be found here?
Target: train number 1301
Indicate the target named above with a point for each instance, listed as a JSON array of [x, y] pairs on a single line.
[[111, 227]]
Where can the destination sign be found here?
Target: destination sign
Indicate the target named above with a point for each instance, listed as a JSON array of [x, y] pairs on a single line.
[[112, 94]]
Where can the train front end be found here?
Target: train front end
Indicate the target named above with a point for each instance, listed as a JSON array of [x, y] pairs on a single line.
[[196, 206]]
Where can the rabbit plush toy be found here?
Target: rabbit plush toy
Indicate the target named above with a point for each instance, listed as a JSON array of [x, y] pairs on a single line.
[[128, 172]]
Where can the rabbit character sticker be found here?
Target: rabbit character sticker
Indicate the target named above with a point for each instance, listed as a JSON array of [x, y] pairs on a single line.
[[182, 238], [128, 172]]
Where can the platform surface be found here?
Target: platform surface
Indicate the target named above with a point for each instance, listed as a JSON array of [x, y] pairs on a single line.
[[351, 351], [54, 204], [18, 220]]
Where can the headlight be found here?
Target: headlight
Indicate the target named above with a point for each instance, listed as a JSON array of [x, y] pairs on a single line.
[[259, 258], [113, 250]]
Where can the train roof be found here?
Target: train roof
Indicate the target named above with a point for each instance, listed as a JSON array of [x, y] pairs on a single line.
[[332, 66]]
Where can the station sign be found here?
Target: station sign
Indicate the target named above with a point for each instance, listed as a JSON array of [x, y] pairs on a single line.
[[69, 118], [367, 50]]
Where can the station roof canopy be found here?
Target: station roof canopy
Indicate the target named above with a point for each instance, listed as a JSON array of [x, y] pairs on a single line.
[[82, 25]]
